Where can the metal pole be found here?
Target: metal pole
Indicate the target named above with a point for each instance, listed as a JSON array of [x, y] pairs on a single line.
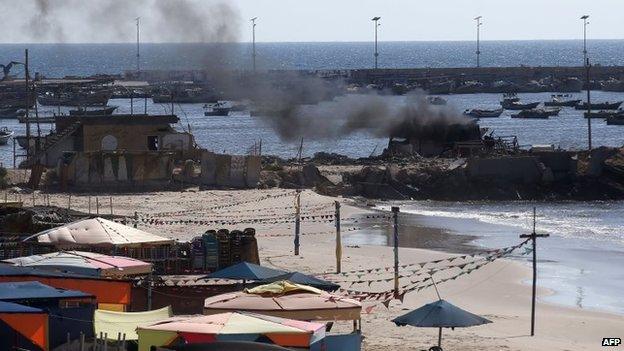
[[149, 291], [253, 40], [395, 216], [138, 54], [297, 220], [478, 19], [338, 239], [26, 117], [376, 20], [440, 338], [110, 200], [585, 40], [533, 236], [97, 205], [136, 219], [589, 132]]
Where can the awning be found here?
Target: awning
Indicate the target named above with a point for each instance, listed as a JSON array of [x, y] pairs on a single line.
[[114, 323]]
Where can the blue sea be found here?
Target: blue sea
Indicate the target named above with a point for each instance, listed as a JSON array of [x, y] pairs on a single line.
[[57, 60], [582, 261]]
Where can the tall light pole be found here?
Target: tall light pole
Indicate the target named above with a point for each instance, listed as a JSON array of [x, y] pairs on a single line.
[[253, 41], [585, 23], [376, 21], [479, 23], [138, 54]]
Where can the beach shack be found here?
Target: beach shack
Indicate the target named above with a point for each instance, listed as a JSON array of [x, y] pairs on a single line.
[[232, 326], [70, 312], [23, 327], [111, 294], [288, 300]]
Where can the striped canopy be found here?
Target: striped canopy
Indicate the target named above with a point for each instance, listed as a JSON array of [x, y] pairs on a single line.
[[230, 326], [86, 263]]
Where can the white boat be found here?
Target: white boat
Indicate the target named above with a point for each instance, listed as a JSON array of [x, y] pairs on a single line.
[[5, 135]]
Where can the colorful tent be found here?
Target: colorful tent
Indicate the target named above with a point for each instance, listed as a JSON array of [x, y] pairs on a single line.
[[87, 263], [110, 293], [97, 232], [23, 327], [114, 323], [288, 300], [16, 291], [246, 271], [230, 326]]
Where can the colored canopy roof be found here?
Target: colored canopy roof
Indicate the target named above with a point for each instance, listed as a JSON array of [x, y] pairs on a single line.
[[300, 278], [9, 270], [97, 232], [87, 263], [293, 301], [284, 332], [440, 314], [246, 271], [112, 323], [16, 291], [8, 307], [230, 346]]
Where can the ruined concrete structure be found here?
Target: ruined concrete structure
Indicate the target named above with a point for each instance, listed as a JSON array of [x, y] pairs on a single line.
[[230, 170]]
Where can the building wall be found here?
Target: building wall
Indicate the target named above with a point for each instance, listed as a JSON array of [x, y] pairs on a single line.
[[129, 137]]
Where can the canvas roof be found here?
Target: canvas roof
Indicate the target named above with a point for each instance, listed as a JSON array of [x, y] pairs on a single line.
[[303, 304], [300, 278], [16, 291], [97, 232], [9, 307], [85, 263]]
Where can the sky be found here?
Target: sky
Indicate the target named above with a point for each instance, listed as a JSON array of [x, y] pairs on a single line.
[[97, 21]]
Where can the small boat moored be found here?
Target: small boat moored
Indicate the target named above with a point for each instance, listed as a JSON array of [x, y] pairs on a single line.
[[81, 111], [603, 113], [436, 100], [561, 100], [479, 113], [599, 106], [533, 114], [5, 135]]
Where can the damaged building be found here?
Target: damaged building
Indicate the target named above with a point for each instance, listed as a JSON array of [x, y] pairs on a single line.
[[117, 149]]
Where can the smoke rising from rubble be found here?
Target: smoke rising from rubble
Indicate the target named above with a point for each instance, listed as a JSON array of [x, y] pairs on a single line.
[[61, 21], [374, 114]]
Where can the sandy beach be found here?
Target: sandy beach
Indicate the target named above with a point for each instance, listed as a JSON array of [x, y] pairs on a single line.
[[497, 291]]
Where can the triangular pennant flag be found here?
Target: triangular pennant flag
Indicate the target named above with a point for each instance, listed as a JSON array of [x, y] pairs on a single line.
[[387, 303]]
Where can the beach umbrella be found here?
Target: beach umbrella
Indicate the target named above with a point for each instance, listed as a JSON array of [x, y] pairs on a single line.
[[304, 279], [245, 271], [440, 314]]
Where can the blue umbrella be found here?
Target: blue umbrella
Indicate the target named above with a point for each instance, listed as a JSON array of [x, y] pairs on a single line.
[[440, 314], [304, 279], [246, 271]]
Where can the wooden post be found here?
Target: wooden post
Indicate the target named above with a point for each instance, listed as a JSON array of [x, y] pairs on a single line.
[[297, 220], [589, 132], [395, 216], [89, 204], [33, 199], [82, 341], [69, 202], [149, 291], [97, 205], [533, 236], [136, 219], [123, 342], [105, 341], [110, 200], [338, 239]]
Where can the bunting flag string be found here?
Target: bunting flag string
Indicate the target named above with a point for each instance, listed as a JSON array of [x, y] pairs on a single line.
[[271, 210], [234, 204], [325, 218], [420, 265], [309, 233]]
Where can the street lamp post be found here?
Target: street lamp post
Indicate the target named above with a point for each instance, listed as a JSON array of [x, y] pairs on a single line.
[[479, 23], [253, 41], [138, 54], [585, 23], [376, 21]]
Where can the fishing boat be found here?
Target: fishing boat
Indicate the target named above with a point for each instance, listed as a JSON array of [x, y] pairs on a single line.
[[561, 100], [552, 111], [11, 113], [81, 98], [510, 97], [532, 114], [615, 120], [599, 106], [603, 113], [515, 105], [220, 108], [5, 135], [81, 111], [479, 113]]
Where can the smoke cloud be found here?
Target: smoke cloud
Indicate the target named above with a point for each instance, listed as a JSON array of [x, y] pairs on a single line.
[[106, 21]]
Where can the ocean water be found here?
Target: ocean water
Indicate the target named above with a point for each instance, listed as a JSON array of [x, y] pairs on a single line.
[[57, 60]]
